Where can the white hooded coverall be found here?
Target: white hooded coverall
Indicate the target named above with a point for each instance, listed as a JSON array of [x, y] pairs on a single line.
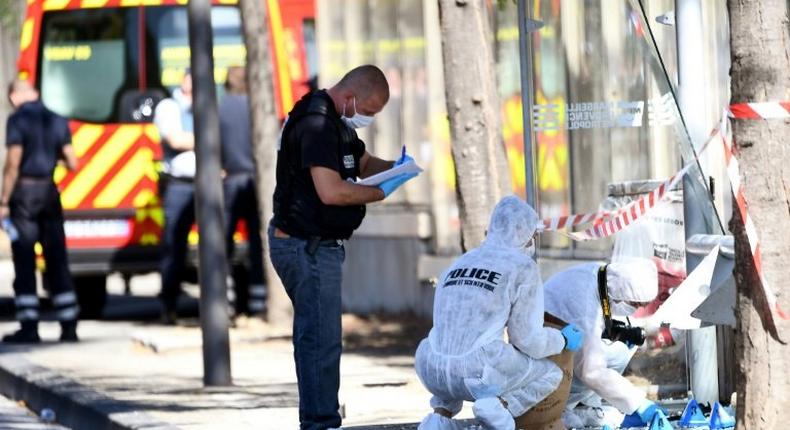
[[572, 295], [488, 289]]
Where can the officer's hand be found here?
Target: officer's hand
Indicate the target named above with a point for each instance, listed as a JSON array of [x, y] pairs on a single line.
[[403, 160], [3, 211], [573, 337], [392, 184]]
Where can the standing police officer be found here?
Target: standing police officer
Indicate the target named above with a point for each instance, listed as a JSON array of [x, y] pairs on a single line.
[[36, 139], [241, 197], [316, 206]]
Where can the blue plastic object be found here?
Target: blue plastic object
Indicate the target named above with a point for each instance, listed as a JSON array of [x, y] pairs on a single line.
[[720, 418], [692, 416], [660, 422], [631, 421]]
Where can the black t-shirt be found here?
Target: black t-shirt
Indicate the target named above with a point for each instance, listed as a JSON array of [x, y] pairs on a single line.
[[42, 134], [314, 140], [235, 134]]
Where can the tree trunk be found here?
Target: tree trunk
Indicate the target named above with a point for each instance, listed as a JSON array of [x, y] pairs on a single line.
[[11, 15], [265, 132], [481, 168], [761, 73]]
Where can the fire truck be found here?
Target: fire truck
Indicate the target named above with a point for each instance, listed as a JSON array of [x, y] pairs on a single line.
[[104, 65]]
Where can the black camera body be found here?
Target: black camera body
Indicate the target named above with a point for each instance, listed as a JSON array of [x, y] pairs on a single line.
[[625, 333]]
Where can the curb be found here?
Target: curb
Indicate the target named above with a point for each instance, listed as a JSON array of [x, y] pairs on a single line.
[[75, 405]]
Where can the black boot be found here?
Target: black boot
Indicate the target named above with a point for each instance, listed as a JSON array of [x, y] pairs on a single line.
[[68, 331], [27, 334]]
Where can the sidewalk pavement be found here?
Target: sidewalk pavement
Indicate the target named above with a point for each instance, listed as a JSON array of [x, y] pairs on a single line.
[[131, 376], [14, 416]]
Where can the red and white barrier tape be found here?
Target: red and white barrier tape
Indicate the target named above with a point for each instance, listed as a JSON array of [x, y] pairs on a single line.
[[733, 172], [609, 223], [767, 110], [631, 212]]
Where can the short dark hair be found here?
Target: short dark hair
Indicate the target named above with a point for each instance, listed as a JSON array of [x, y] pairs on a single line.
[[366, 81], [236, 82]]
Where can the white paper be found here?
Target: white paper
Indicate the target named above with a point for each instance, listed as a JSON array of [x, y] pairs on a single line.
[[407, 167], [676, 311]]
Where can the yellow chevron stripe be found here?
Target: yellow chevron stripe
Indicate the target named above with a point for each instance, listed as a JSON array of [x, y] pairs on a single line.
[[144, 199], [93, 3], [100, 164], [140, 3], [84, 138], [125, 180], [60, 173], [284, 78], [152, 133], [55, 4], [26, 38]]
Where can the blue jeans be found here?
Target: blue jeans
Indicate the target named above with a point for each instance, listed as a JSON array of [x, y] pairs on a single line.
[[313, 284]]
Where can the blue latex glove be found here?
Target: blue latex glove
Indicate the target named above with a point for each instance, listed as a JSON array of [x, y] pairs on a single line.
[[392, 184], [404, 158], [573, 337], [642, 416], [647, 410]]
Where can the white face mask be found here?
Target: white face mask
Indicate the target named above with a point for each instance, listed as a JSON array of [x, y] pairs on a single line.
[[357, 120], [622, 309]]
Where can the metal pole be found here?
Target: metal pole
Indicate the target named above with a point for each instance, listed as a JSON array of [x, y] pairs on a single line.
[[208, 200], [525, 48], [701, 346]]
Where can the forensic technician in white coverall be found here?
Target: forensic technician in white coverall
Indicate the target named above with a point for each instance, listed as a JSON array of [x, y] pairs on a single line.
[[494, 287], [574, 295]]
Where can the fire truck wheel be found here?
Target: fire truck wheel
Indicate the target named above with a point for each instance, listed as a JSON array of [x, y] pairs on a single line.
[[91, 295]]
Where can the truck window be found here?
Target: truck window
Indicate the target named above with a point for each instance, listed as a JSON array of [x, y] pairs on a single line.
[[167, 51], [85, 62]]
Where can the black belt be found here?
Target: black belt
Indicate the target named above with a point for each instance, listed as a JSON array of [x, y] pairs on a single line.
[[35, 180], [312, 243], [183, 179]]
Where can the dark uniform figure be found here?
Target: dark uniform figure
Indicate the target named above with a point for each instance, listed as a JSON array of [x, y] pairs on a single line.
[[316, 206], [241, 197], [36, 139]]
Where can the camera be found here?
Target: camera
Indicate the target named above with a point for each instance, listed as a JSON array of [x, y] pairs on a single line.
[[626, 333]]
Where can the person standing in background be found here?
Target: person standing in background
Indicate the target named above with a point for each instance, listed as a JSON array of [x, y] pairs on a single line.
[[174, 121], [30, 207], [241, 198]]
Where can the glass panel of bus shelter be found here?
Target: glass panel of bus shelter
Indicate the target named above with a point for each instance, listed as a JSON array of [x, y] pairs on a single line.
[[168, 44], [604, 112], [88, 59]]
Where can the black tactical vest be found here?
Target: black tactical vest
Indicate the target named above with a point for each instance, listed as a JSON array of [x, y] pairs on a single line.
[[325, 221]]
